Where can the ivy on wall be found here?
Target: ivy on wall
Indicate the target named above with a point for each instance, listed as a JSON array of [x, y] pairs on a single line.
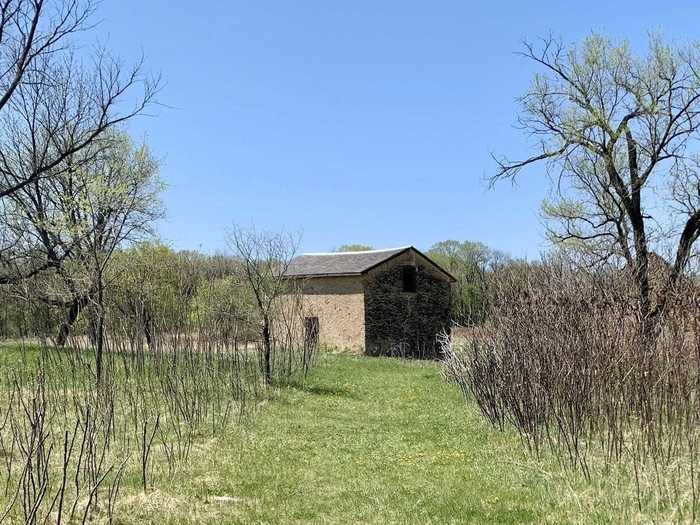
[[405, 324]]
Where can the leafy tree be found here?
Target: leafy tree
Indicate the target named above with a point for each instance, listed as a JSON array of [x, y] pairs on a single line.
[[149, 288], [80, 217], [21, 317], [468, 262], [154, 289], [55, 112], [619, 135], [227, 304], [353, 248]]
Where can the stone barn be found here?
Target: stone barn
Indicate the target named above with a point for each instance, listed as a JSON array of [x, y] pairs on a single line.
[[380, 302]]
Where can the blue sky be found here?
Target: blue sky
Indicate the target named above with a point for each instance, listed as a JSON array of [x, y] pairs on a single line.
[[359, 121]]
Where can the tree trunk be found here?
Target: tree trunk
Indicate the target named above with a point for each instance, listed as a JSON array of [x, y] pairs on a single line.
[[267, 350], [648, 317], [148, 332], [99, 333], [67, 325], [633, 204]]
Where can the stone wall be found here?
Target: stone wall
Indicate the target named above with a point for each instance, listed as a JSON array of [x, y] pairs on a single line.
[[338, 302], [402, 323]]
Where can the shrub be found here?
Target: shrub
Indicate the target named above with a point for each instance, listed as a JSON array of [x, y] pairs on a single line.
[[69, 438], [564, 359]]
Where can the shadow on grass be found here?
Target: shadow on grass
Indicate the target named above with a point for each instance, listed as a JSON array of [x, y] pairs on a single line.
[[323, 390]]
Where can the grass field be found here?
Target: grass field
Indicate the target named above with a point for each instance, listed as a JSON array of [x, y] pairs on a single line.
[[365, 440]]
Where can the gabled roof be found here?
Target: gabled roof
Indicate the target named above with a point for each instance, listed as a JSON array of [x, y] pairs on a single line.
[[347, 263]]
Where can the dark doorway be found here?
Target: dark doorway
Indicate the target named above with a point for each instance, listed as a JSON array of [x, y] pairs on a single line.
[[311, 331]]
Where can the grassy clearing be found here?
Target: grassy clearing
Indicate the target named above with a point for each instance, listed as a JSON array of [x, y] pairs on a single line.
[[365, 440]]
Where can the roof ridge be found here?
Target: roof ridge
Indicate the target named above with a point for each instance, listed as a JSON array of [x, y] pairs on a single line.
[[358, 252]]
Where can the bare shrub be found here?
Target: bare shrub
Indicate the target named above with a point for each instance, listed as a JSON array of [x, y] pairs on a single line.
[[264, 259], [67, 441], [565, 359]]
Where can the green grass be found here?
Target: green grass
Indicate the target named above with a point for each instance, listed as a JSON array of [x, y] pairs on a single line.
[[373, 440], [365, 440]]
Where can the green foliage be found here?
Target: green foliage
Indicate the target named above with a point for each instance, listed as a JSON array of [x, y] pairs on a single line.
[[22, 317], [148, 286], [468, 262], [102, 198], [353, 248], [150, 283], [228, 302]]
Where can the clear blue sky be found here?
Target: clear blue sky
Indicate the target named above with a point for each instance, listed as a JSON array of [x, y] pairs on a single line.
[[357, 121]]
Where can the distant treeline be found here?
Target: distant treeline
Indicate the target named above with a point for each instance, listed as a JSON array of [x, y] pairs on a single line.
[[146, 284]]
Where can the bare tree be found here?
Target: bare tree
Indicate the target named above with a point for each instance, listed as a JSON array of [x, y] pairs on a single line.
[[52, 107], [618, 135], [265, 258]]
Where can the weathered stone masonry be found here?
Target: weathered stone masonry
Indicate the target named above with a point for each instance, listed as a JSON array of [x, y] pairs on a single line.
[[362, 301], [401, 323]]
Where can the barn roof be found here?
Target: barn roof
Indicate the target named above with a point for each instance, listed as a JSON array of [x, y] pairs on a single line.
[[346, 263]]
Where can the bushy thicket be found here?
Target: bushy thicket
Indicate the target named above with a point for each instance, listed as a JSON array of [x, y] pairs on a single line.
[[181, 360], [566, 360], [69, 437], [146, 283], [469, 263]]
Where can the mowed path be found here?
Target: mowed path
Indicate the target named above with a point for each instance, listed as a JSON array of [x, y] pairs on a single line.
[[365, 440]]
